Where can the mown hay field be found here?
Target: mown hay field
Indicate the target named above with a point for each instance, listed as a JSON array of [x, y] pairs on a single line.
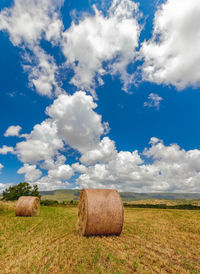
[[152, 241]]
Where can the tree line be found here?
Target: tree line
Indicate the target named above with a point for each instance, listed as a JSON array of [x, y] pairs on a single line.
[[12, 193]]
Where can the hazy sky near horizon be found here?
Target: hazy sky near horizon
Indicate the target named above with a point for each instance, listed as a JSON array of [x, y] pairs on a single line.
[[100, 94]]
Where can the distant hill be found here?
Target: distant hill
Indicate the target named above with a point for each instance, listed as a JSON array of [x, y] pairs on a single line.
[[130, 196], [73, 194], [61, 195]]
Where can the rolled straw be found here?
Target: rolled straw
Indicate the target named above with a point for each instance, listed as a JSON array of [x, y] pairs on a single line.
[[100, 212], [27, 206]]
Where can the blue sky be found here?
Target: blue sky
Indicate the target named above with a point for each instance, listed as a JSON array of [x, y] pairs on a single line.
[[100, 94]]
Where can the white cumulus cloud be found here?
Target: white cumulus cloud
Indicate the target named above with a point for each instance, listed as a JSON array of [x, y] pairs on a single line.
[[172, 169], [48, 183], [6, 149], [43, 72], [62, 172], [97, 45], [103, 152], [73, 123], [97, 39], [58, 173], [77, 167], [41, 144], [76, 121], [172, 55], [28, 22], [31, 172], [13, 131], [4, 186]]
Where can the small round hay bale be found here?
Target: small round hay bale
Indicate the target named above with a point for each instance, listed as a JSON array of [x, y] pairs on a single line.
[[27, 206], [100, 212]]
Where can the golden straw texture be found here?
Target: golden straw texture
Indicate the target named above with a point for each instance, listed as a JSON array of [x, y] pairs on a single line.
[[100, 212], [27, 206]]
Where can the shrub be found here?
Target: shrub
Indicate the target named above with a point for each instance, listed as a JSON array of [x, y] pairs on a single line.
[[49, 202], [163, 206]]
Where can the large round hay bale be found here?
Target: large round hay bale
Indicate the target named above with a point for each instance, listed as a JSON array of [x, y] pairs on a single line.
[[100, 212], [27, 206]]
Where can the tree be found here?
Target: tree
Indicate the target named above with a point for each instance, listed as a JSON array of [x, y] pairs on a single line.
[[22, 189]]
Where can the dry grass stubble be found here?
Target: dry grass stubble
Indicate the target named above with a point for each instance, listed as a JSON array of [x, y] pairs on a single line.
[[152, 241]]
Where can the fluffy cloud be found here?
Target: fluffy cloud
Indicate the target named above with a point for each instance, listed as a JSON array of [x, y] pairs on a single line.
[[98, 39], [48, 183], [62, 172], [103, 152], [58, 173], [99, 44], [72, 122], [110, 39], [178, 168], [54, 162], [121, 172], [27, 22], [6, 149], [172, 56], [41, 144], [4, 186], [153, 101], [42, 71], [172, 169], [79, 168], [77, 123], [12, 131], [31, 172]]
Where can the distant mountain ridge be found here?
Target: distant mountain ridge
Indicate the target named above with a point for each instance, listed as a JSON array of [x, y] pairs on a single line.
[[73, 194]]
